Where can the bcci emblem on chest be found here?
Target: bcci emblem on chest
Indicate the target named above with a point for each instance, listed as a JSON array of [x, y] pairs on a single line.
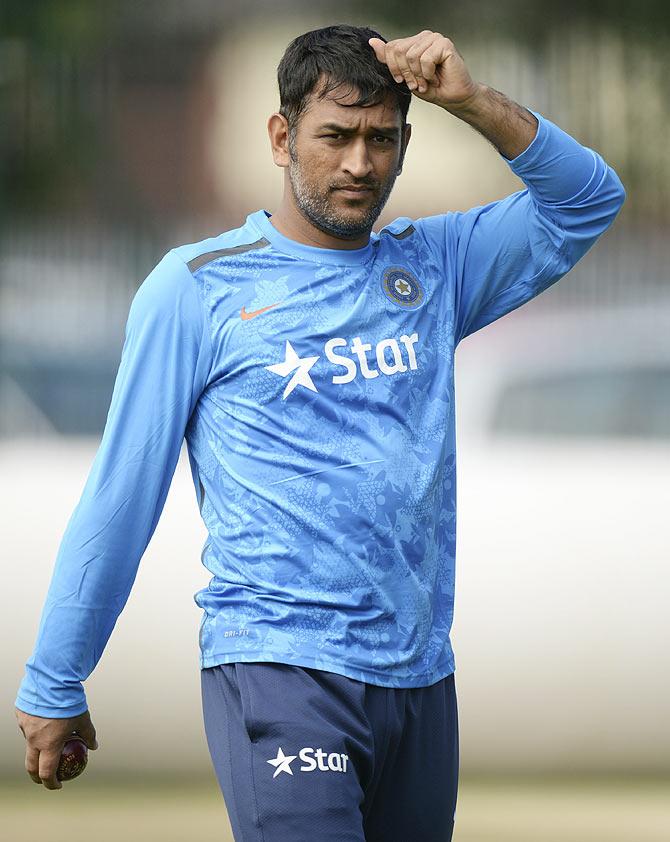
[[402, 288]]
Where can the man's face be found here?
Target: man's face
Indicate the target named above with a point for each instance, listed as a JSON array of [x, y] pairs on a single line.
[[343, 162]]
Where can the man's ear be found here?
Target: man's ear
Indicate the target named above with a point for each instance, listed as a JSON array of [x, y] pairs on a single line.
[[278, 133], [405, 140]]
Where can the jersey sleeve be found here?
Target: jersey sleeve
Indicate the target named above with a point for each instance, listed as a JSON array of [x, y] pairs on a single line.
[[164, 367], [502, 254]]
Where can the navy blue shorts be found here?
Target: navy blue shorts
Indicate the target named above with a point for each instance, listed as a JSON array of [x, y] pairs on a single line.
[[303, 754]]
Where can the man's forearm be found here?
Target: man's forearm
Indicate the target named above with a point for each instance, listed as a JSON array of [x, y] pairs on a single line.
[[507, 125]]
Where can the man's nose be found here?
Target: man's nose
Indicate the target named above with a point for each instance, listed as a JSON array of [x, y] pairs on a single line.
[[356, 161]]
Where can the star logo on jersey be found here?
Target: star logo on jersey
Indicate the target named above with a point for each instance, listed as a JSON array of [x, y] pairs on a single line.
[[300, 367], [282, 762]]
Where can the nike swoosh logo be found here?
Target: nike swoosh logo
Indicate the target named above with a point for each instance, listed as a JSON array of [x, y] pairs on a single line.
[[245, 315]]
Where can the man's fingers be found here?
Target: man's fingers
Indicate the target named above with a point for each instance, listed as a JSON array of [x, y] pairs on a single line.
[[45, 739], [385, 55], [379, 47], [402, 69], [90, 736], [32, 764], [398, 60], [48, 764], [429, 61], [415, 53], [86, 733], [412, 60]]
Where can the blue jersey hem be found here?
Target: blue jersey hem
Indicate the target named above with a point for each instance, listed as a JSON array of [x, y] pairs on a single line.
[[387, 679]]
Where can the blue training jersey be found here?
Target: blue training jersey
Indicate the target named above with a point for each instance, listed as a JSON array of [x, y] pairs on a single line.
[[315, 390]]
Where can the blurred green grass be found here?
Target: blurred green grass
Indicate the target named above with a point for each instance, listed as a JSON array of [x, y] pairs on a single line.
[[489, 810]]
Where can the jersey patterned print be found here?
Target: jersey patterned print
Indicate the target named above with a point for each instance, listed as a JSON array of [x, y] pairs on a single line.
[[315, 390]]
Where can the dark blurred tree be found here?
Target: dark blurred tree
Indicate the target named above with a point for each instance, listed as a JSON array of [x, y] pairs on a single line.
[[67, 63], [525, 20], [54, 53], [63, 63]]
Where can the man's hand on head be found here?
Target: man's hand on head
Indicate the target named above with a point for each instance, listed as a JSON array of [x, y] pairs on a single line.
[[45, 739], [431, 66], [434, 70]]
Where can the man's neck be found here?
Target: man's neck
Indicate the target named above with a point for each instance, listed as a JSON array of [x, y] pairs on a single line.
[[292, 224]]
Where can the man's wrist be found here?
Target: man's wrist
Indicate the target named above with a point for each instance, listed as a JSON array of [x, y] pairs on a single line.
[[507, 125], [470, 106]]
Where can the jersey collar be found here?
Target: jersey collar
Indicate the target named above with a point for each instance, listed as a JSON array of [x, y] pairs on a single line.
[[261, 220]]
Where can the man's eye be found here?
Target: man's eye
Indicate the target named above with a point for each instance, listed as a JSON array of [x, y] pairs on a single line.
[[382, 138], [333, 136]]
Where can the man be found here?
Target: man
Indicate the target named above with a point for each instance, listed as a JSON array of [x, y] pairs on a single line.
[[309, 363]]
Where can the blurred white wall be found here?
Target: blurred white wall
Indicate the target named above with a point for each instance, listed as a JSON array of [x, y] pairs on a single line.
[[144, 696], [448, 164], [561, 609]]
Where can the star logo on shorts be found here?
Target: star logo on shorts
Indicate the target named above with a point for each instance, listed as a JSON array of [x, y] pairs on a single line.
[[282, 762]]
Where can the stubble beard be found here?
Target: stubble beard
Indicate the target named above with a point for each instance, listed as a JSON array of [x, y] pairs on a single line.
[[315, 205]]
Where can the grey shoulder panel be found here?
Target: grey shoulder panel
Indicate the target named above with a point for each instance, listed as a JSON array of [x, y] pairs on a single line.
[[402, 235], [202, 259]]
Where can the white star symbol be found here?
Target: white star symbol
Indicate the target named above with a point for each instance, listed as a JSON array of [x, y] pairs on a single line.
[[302, 366], [282, 762]]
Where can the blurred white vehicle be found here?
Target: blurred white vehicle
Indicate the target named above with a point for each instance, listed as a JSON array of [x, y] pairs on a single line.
[[563, 562], [563, 558]]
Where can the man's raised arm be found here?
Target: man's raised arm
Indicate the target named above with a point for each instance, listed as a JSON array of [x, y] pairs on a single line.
[[502, 254]]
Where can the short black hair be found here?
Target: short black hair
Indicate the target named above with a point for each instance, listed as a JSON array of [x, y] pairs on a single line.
[[343, 56]]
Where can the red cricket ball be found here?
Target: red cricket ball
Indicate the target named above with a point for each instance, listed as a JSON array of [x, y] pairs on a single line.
[[73, 759]]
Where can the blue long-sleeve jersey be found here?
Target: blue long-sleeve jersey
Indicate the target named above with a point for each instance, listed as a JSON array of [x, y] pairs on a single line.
[[315, 391]]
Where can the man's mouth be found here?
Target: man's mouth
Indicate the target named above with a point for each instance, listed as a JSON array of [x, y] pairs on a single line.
[[354, 189]]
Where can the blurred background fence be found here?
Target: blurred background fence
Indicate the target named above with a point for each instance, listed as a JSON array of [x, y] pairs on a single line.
[[131, 127]]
